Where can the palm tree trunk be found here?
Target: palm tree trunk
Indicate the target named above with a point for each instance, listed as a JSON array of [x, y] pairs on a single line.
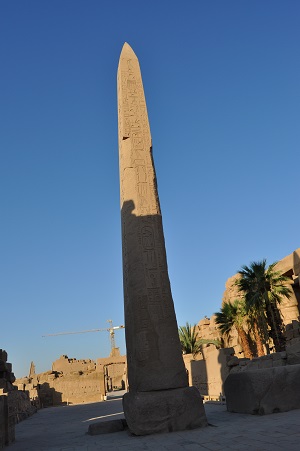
[[244, 342], [275, 323], [258, 340]]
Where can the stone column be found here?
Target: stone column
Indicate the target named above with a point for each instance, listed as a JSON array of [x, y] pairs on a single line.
[[159, 398]]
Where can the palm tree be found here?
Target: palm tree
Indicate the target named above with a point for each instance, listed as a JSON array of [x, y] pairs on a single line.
[[264, 289], [188, 339], [190, 344], [234, 315]]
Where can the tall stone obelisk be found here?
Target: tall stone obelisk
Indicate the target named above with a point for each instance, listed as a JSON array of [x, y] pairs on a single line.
[[159, 398]]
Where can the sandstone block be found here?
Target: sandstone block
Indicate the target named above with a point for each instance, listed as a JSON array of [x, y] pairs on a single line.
[[3, 355], [227, 351], [281, 362], [204, 322], [245, 362], [106, 427], [164, 411], [252, 366], [265, 357], [266, 364], [264, 391], [293, 354], [279, 355], [233, 361], [11, 377]]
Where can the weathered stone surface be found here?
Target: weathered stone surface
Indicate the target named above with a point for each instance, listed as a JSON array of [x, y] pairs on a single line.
[[233, 361], [208, 370], [66, 365], [154, 354], [293, 354], [164, 411], [264, 391], [151, 329], [3, 355], [7, 422], [106, 427], [19, 405], [3, 420], [72, 382]]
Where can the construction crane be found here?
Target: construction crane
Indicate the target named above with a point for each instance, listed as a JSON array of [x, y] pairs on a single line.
[[110, 329]]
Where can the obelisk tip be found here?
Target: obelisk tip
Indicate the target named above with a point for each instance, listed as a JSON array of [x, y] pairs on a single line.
[[127, 49]]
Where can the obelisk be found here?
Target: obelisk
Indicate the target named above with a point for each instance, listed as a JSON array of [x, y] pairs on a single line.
[[159, 398]]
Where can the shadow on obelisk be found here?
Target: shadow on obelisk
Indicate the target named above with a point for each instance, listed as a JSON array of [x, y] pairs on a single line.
[[159, 398]]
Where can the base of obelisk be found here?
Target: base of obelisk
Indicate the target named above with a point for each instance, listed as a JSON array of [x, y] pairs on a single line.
[[164, 411]]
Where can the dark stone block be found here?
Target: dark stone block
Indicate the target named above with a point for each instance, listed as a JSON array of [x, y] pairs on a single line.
[[264, 391], [3, 355], [164, 411], [106, 427]]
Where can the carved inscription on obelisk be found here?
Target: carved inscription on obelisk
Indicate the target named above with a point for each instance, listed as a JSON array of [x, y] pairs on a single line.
[[154, 357], [153, 349]]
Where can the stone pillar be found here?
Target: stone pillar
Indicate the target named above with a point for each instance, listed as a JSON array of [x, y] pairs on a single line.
[[159, 398]]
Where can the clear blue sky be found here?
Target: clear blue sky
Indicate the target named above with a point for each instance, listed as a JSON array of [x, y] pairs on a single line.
[[222, 87]]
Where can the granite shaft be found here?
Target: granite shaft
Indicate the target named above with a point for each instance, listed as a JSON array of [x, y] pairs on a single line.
[[153, 349]]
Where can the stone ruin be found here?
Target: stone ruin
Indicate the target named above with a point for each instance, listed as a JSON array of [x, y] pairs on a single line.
[[72, 381], [208, 371], [270, 383], [114, 369], [14, 404], [289, 308], [264, 385], [220, 372]]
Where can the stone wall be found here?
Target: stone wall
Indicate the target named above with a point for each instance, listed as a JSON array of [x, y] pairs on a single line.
[[3, 417], [14, 404], [66, 365], [290, 267], [73, 381], [78, 389], [208, 371], [7, 376], [208, 330], [70, 385], [7, 421], [292, 333], [264, 385], [289, 357], [115, 371]]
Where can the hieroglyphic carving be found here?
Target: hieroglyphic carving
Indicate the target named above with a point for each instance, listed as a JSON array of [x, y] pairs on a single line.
[[134, 124], [148, 300]]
